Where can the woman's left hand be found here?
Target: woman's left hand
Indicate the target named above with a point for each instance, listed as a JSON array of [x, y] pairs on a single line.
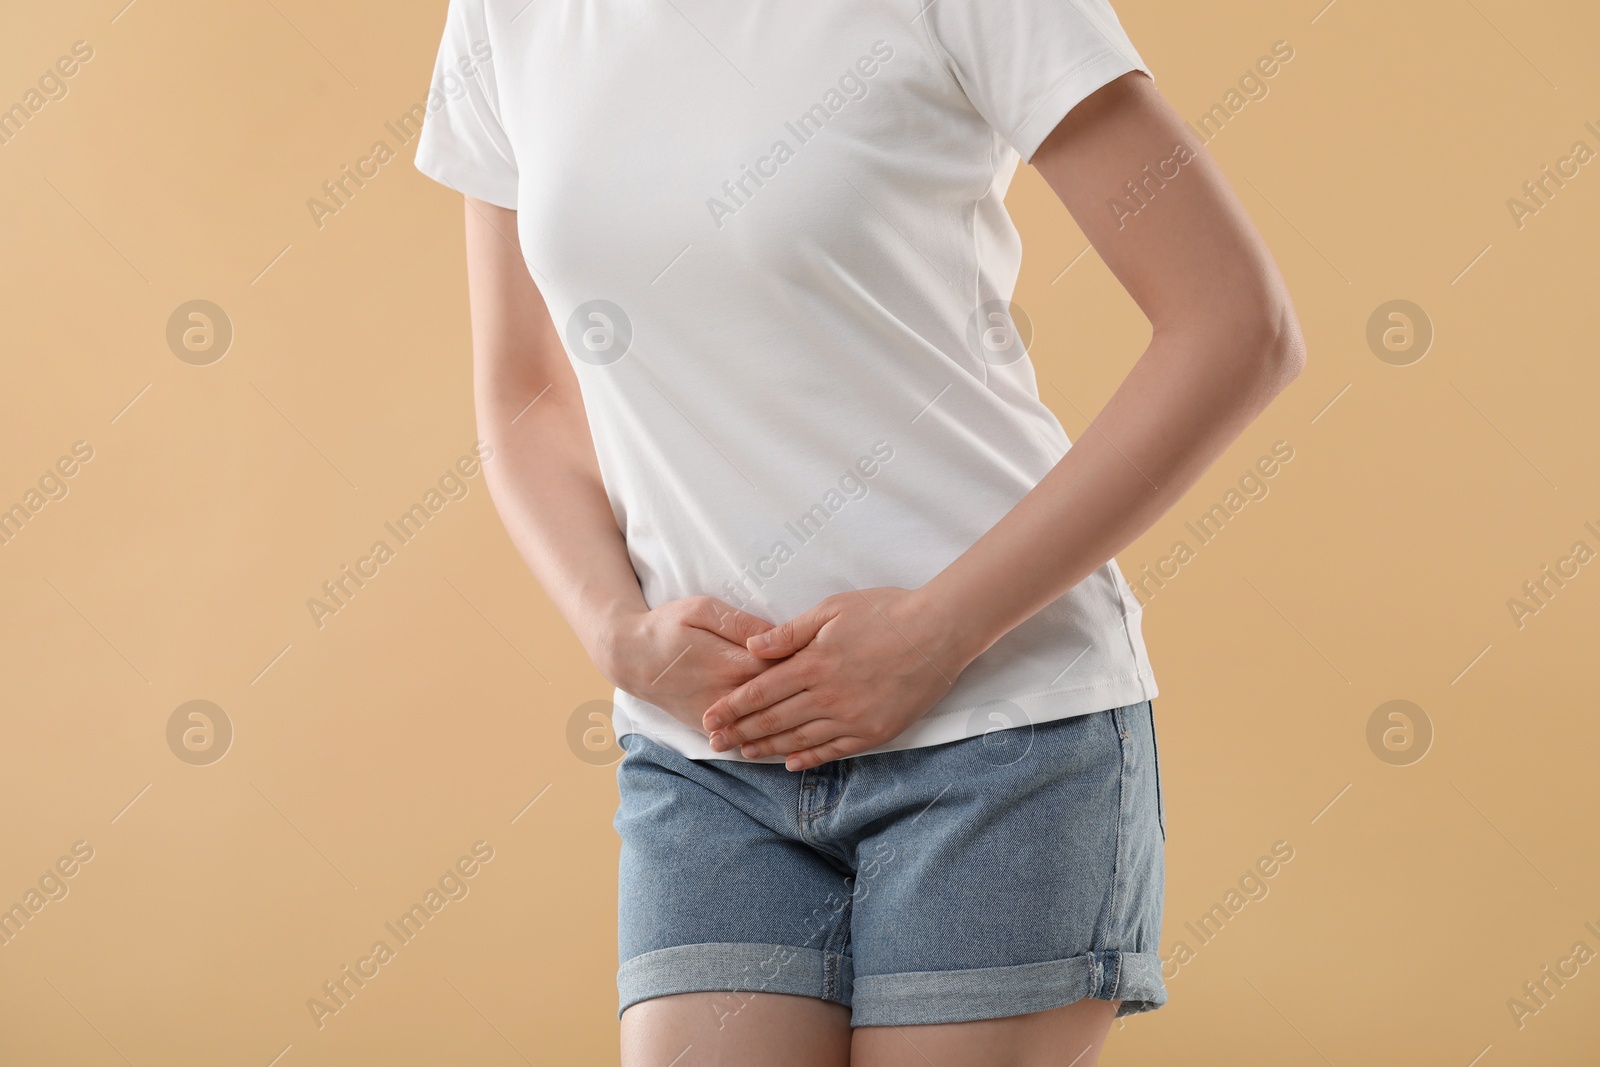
[[861, 667]]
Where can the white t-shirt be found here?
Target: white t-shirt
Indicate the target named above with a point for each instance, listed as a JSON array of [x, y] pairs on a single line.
[[773, 236]]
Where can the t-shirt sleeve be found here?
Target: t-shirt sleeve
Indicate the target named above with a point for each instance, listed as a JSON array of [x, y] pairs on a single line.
[[463, 143], [1025, 63]]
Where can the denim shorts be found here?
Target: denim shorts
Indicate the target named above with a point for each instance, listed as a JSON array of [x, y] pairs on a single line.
[[1006, 873]]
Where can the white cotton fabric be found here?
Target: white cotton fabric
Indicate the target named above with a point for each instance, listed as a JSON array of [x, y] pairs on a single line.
[[774, 238]]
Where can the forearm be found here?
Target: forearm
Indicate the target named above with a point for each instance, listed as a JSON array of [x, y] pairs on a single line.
[[546, 486], [545, 480], [1187, 398]]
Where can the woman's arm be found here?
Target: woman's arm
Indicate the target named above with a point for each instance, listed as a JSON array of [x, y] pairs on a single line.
[[1225, 341], [863, 666], [545, 482]]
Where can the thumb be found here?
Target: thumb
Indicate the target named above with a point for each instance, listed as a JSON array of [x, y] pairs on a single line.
[[787, 638]]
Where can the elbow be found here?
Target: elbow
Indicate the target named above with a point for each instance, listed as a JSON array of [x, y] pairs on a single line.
[[1286, 350], [1274, 348], [1252, 342]]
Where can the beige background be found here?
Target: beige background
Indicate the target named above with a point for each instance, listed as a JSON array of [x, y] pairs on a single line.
[[432, 711]]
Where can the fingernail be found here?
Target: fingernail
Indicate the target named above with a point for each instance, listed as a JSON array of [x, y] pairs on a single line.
[[718, 742], [759, 642], [714, 721]]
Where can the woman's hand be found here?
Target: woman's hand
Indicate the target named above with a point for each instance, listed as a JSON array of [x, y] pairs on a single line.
[[683, 655], [856, 670]]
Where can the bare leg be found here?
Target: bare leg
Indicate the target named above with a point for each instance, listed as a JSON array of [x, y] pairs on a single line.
[[736, 1030], [1068, 1036]]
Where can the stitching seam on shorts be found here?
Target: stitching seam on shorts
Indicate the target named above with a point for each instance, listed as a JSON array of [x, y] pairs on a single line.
[[1114, 898], [833, 955], [810, 814]]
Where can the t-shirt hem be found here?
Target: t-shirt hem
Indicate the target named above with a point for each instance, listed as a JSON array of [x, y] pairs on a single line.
[[447, 172], [1042, 707], [1074, 86]]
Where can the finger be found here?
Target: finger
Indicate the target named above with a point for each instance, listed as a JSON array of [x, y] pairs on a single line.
[[782, 715], [761, 692], [725, 620], [837, 748], [808, 734], [787, 638]]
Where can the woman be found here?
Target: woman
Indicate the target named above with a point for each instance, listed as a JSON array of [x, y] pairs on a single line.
[[766, 434]]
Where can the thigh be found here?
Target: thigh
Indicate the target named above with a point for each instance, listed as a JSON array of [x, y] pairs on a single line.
[[1068, 1036], [714, 1029], [1029, 876]]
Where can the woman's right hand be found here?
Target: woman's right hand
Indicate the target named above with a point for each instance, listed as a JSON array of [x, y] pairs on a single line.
[[684, 655]]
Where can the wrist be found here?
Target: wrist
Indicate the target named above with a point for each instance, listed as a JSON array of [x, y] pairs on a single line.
[[614, 633], [962, 635]]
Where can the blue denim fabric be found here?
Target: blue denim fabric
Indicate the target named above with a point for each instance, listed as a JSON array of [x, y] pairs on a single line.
[[1002, 874]]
